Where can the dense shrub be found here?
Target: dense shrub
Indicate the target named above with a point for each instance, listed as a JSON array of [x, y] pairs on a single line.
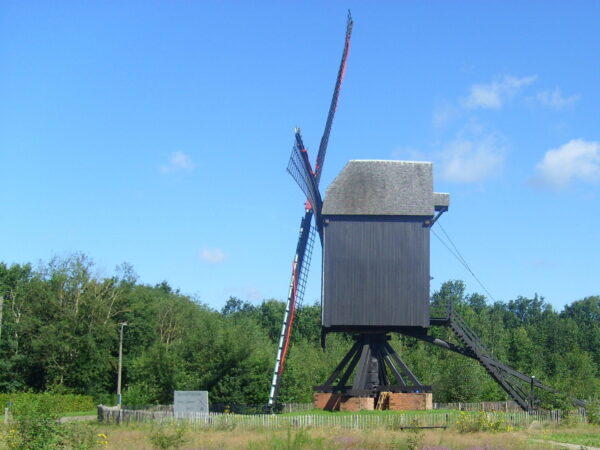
[[593, 411], [35, 424], [59, 403], [480, 421], [80, 436], [168, 437]]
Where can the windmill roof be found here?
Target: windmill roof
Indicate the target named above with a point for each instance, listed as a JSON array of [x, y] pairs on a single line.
[[382, 187]]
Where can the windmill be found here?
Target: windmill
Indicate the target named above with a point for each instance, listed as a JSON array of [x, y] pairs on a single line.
[[374, 226], [308, 179]]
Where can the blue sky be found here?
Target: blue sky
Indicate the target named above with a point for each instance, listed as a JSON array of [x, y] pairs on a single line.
[[158, 133]]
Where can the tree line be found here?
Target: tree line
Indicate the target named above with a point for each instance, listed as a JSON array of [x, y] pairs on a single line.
[[59, 333]]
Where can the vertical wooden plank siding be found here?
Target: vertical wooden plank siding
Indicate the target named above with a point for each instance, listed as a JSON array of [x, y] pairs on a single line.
[[376, 272]]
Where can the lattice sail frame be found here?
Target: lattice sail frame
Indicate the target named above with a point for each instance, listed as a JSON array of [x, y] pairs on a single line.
[[301, 171]]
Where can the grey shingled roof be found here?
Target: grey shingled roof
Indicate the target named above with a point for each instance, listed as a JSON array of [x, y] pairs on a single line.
[[441, 200], [379, 187]]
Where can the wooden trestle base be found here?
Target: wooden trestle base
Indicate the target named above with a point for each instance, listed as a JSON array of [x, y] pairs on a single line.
[[395, 401]]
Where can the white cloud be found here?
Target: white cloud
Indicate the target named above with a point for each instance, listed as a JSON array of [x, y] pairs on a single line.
[[575, 160], [178, 162], [214, 256], [554, 99], [493, 95], [444, 113], [471, 159]]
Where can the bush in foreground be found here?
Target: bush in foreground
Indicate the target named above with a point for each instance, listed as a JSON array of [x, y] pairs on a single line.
[[482, 421], [35, 424]]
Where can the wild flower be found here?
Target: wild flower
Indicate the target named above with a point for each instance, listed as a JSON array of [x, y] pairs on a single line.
[[102, 439]]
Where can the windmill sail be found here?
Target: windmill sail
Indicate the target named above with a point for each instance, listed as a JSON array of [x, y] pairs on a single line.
[[295, 294], [301, 171], [308, 180], [334, 101]]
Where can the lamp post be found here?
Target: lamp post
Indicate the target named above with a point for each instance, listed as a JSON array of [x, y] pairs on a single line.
[[122, 325], [532, 394]]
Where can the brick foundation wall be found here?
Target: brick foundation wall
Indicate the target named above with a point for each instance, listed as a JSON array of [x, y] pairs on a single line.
[[357, 403], [410, 401], [397, 402], [327, 401]]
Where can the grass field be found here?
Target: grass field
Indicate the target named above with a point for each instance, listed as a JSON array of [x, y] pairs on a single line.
[[574, 436], [147, 436], [320, 439], [138, 437], [538, 435]]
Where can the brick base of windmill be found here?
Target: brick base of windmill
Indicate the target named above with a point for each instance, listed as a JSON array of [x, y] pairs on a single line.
[[395, 401]]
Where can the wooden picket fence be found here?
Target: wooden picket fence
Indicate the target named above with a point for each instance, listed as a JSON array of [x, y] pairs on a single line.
[[296, 407], [509, 406], [358, 421]]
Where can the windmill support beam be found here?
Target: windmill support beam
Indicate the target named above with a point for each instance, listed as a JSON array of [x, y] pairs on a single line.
[[519, 386], [374, 356]]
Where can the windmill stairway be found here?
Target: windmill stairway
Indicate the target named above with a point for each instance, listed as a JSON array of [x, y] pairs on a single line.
[[519, 386]]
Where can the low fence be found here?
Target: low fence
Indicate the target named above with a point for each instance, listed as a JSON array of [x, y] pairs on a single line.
[[232, 408], [238, 408], [509, 406], [275, 421], [296, 407]]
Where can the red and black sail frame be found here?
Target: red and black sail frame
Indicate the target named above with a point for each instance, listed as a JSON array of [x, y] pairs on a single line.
[[308, 179]]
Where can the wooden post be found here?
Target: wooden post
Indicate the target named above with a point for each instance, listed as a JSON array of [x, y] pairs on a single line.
[[1, 307], [122, 324]]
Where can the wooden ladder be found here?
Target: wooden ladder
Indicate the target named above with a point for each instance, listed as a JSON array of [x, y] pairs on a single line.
[[383, 402]]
